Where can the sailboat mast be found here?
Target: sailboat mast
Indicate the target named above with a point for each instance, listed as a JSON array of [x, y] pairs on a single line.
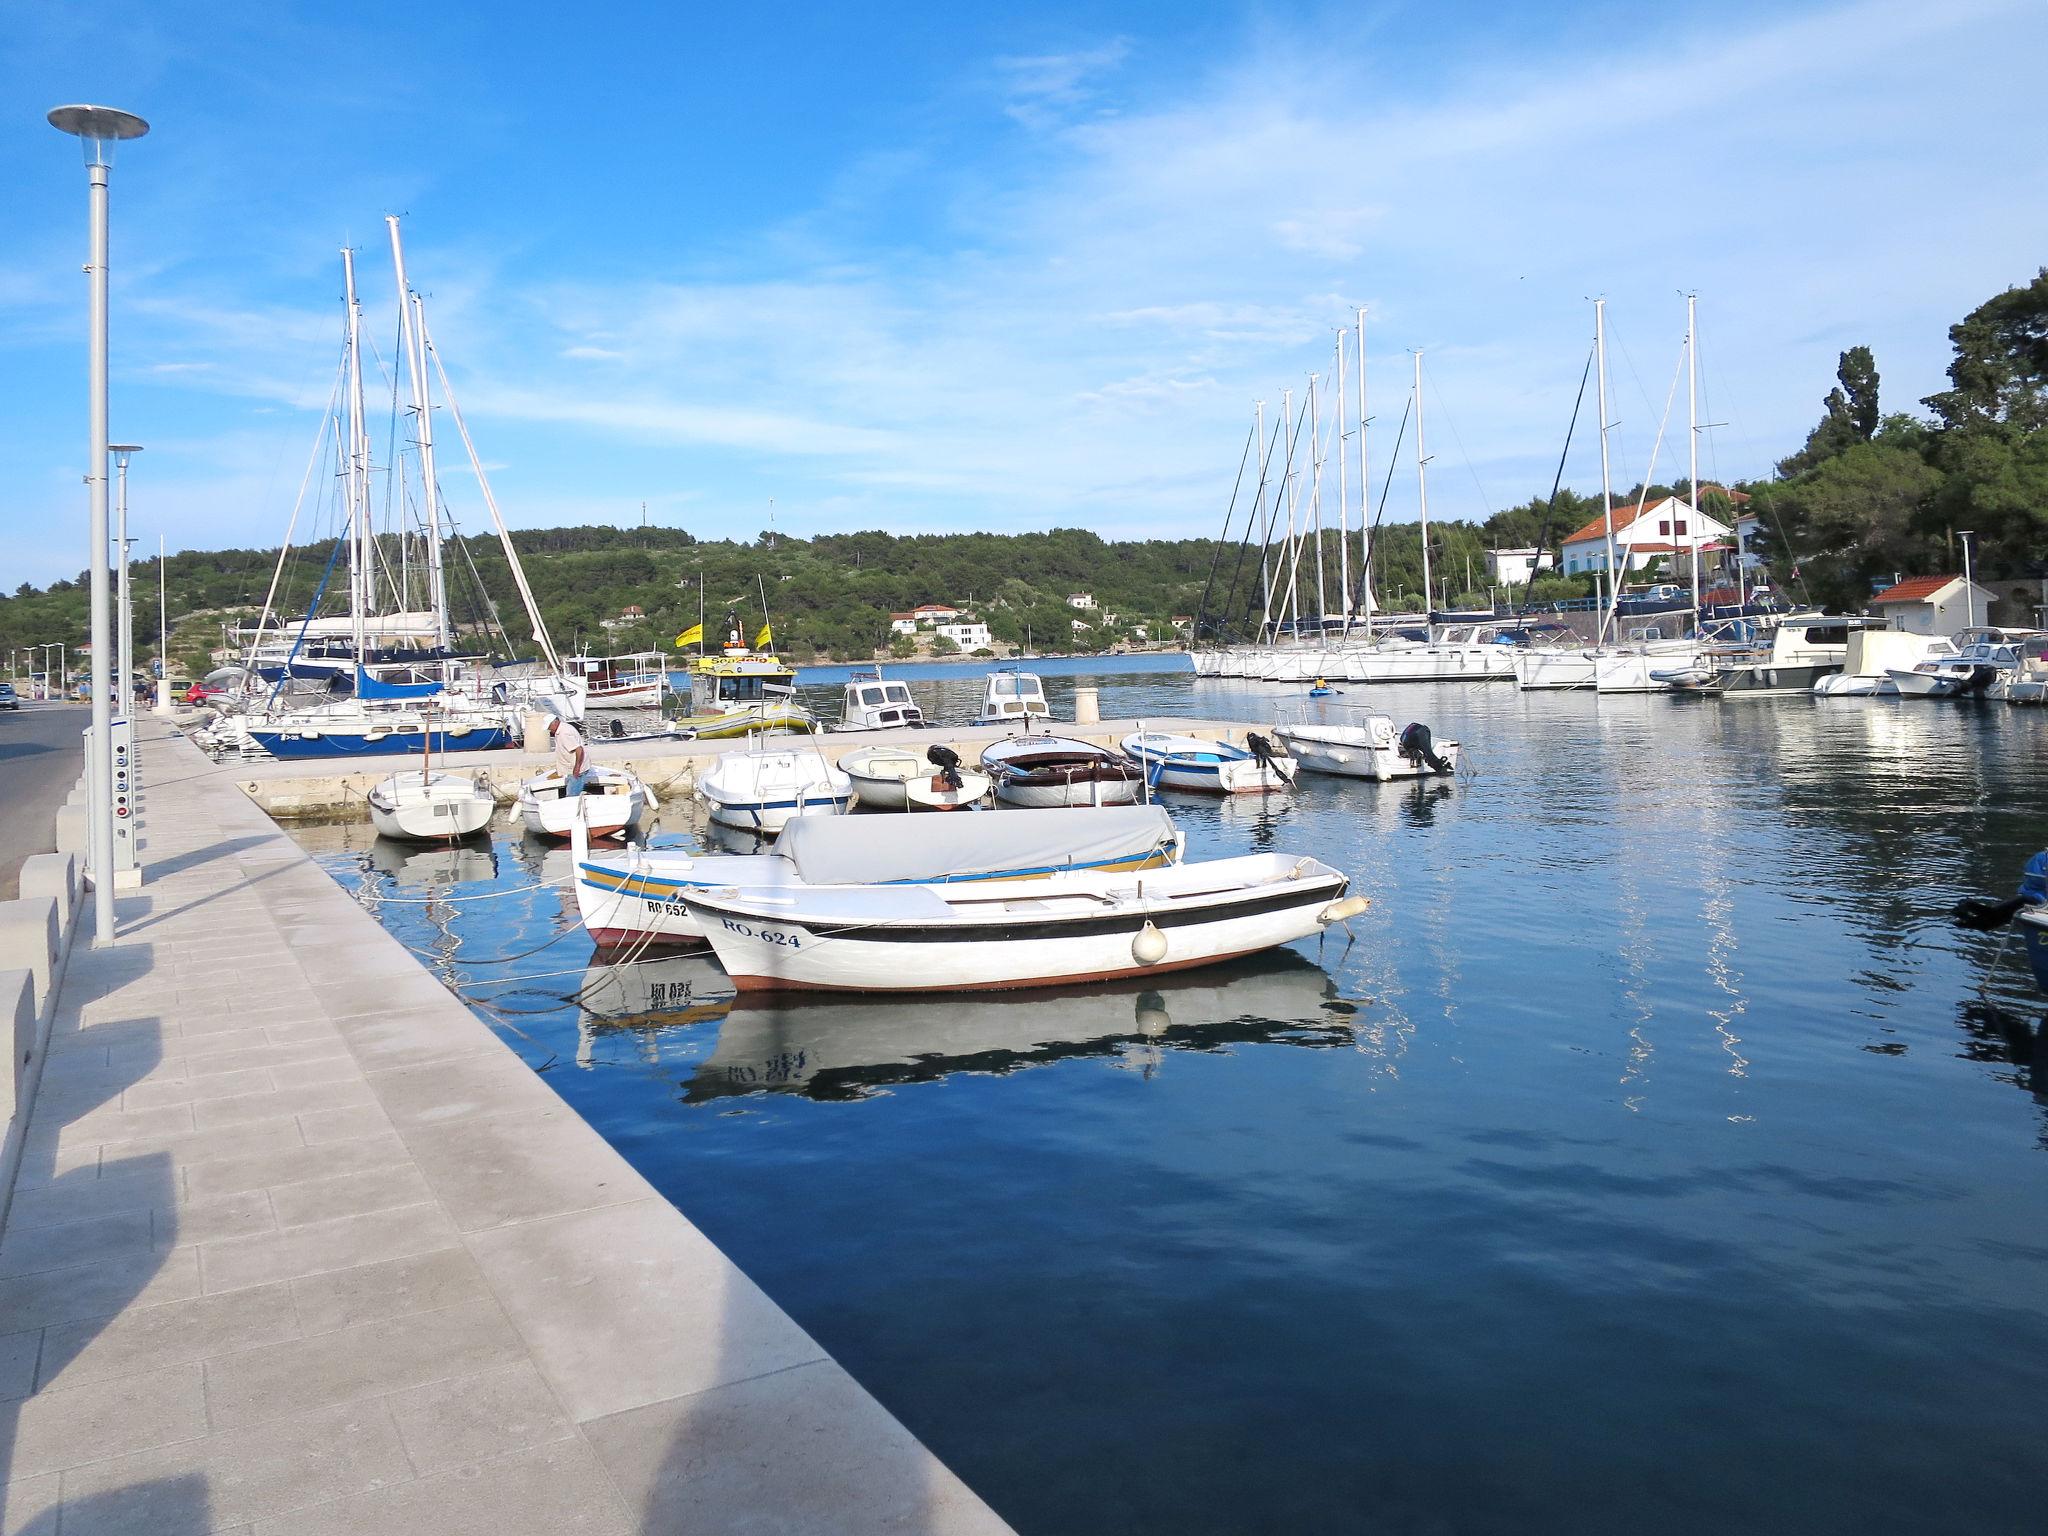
[[430, 495], [1422, 488], [1287, 609], [1606, 481], [1343, 503], [358, 462], [1692, 411], [1364, 491], [1315, 496], [1265, 531]]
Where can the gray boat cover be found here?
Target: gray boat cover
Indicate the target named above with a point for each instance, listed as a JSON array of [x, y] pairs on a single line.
[[879, 850]]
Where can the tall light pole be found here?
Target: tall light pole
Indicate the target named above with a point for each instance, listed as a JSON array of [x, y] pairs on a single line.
[[99, 129], [1969, 586], [125, 606], [163, 633]]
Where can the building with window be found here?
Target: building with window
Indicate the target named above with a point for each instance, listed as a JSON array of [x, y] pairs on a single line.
[[1514, 567], [934, 613], [1081, 600], [968, 634], [1934, 605], [1643, 533]]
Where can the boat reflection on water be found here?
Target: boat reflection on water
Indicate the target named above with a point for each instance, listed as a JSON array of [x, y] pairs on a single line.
[[427, 865], [833, 1049]]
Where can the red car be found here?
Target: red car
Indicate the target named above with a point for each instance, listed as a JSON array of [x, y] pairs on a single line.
[[199, 693]]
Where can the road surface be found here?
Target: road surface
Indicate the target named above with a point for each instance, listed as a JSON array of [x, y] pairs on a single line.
[[40, 759]]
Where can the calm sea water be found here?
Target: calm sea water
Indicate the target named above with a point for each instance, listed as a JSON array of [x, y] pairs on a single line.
[[1657, 1158]]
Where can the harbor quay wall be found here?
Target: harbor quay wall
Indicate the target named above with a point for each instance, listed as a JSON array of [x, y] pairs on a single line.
[[294, 1242], [323, 791]]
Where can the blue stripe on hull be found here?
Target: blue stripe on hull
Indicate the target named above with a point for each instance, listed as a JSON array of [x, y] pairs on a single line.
[[290, 744]]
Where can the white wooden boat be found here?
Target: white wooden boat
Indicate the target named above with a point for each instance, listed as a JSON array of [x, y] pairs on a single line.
[[1012, 695], [1555, 667], [1374, 750], [613, 801], [894, 938], [637, 681], [1042, 772], [898, 779], [764, 789], [431, 806], [871, 702], [1212, 767], [635, 898]]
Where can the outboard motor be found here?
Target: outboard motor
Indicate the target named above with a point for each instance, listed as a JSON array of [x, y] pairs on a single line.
[[947, 761], [1417, 746], [1268, 756], [618, 727]]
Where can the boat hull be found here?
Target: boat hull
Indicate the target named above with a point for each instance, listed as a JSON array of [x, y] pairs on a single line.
[[312, 742], [430, 808], [1543, 670], [608, 810], [926, 793], [1379, 761]]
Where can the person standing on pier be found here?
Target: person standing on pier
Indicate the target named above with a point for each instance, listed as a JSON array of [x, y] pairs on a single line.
[[570, 759]]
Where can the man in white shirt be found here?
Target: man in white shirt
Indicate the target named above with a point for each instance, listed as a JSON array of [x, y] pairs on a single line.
[[570, 758]]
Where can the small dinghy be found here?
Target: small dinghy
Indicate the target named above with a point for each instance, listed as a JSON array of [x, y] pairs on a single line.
[[763, 790], [612, 803], [898, 779], [991, 937], [1370, 751], [1044, 772], [635, 898], [431, 806], [1212, 767]]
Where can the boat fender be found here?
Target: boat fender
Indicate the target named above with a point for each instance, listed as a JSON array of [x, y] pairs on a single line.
[[1149, 947], [1345, 910], [1416, 745]]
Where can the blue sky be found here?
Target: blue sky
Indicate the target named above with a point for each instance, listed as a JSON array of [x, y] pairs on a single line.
[[926, 268]]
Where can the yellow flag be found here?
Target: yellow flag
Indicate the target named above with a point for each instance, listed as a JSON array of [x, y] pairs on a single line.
[[694, 635], [764, 639]]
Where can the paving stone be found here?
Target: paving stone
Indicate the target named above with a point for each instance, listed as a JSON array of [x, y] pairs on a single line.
[[330, 1125], [552, 1490], [323, 1069], [277, 1169], [173, 1333], [371, 1360], [801, 1450], [186, 1090], [18, 1352], [437, 1032], [325, 1245], [469, 1418], [491, 1170], [79, 1242], [678, 1317], [443, 1091], [209, 1218], [139, 1278], [261, 1472], [425, 1282], [206, 1146], [279, 1103], [28, 1506], [349, 1194], [70, 1426]]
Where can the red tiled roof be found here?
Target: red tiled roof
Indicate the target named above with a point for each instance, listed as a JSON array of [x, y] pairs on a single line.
[[1914, 589], [1708, 488]]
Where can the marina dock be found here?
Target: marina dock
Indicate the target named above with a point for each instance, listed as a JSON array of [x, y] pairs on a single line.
[[295, 1244]]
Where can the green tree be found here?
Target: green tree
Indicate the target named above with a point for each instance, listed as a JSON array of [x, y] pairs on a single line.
[[1851, 417]]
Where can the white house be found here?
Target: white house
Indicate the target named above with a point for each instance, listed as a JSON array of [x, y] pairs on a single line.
[[903, 623], [1643, 533], [968, 634], [934, 613], [1081, 600], [1514, 567], [1934, 605], [1080, 626]]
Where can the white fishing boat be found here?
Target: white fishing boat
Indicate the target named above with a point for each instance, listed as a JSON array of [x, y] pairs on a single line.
[[1373, 750], [635, 898], [1213, 767], [764, 789], [924, 938], [635, 681], [2026, 681], [613, 801], [1876, 658], [1040, 772], [871, 702], [898, 779], [1012, 695], [431, 806]]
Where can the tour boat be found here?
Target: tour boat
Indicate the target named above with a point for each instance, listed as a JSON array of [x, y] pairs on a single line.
[[635, 898], [1087, 928], [898, 779], [637, 681], [1045, 771], [1374, 750], [431, 806], [1012, 695], [873, 703], [762, 790], [1188, 762], [613, 801]]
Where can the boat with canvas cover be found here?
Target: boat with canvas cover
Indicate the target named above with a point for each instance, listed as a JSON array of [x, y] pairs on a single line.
[[898, 779], [1005, 934], [613, 801], [1042, 772], [635, 898], [1211, 767], [1374, 750]]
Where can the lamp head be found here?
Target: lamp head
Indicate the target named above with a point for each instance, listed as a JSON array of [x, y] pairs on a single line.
[[124, 449], [98, 128]]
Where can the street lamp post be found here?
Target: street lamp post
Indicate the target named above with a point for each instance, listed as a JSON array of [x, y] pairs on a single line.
[[125, 606], [99, 129], [163, 633]]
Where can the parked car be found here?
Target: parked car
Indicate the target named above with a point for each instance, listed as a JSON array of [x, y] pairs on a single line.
[[9, 699]]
